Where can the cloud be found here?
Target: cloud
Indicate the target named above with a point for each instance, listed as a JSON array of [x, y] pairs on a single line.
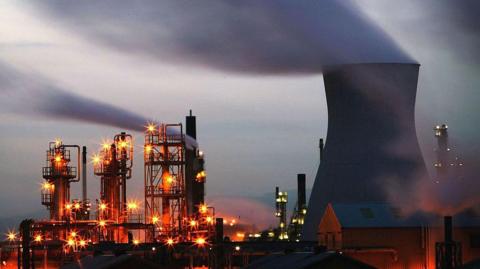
[[256, 37]]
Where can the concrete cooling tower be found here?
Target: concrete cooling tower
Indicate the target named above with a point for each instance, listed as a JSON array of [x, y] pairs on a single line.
[[371, 139]]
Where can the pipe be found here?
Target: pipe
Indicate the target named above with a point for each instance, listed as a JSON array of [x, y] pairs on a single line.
[[301, 191], [84, 173], [78, 160], [448, 229]]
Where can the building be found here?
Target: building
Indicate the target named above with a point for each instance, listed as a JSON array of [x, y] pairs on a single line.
[[380, 235]]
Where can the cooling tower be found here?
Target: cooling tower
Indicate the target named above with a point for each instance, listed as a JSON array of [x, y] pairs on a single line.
[[371, 140]]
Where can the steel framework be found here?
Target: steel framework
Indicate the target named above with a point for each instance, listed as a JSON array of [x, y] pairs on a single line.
[[165, 197]]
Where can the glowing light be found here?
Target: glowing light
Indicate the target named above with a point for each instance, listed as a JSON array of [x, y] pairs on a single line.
[[148, 148], [68, 206], [209, 219], [136, 242], [132, 205], [123, 144], [193, 223], [240, 235], [11, 236], [154, 219], [237, 248], [170, 241], [73, 234], [95, 159], [77, 206], [71, 242], [151, 127], [46, 186], [169, 179], [200, 241], [201, 176], [203, 209], [58, 158], [38, 238], [82, 243], [106, 146], [102, 206], [102, 223], [58, 142]]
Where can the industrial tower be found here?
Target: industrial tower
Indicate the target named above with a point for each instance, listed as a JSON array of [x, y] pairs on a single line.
[[165, 196], [114, 166]]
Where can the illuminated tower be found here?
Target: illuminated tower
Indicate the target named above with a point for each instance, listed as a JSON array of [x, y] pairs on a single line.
[[114, 165], [58, 175], [446, 166], [165, 197], [281, 199]]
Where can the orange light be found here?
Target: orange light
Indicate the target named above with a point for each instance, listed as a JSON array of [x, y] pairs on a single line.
[[38, 238], [95, 159], [82, 243], [200, 241], [169, 179], [68, 206], [240, 235], [132, 205], [11, 236], [73, 234], [106, 145], [151, 127], [102, 223], [193, 223], [154, 219], [46, 186], [136, 242], [203, 209], [71, 242], [148, 148], [102, 206], [77, 206], [58, 158], [123, 144], [209, 219], [170, 241]]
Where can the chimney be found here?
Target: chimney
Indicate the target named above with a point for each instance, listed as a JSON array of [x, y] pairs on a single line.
[[301, 191], [321, 149], [448, 229], [84, 173]]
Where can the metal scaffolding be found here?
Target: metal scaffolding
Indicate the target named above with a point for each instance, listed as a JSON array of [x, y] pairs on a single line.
[[165, 196]]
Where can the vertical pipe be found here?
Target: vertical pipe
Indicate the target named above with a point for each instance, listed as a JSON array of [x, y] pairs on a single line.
[[190, 154], [302, 200], [84, 173], [448, 242]]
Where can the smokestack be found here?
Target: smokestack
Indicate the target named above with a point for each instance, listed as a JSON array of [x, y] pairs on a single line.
[[84, 173], [191, 129], [448, 227], [301, 191], [371, 139]]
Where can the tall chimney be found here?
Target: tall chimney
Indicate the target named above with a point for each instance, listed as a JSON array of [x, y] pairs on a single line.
[[301, 191], [84, 173], [191, 188], [371, 137], [448, 227]]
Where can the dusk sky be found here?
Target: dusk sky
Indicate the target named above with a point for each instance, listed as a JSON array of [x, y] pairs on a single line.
[[258, 126]]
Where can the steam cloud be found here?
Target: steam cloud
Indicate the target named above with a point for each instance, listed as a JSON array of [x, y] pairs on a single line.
[[266, 37], [32, 95]]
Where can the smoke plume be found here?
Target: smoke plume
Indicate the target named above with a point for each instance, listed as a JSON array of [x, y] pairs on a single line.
[[32, 95], [257, 37]]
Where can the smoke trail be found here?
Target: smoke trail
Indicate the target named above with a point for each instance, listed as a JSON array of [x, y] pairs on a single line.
[[266, 37], [31, 95]]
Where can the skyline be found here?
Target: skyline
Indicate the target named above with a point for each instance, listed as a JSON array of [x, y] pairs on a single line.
[[246, 124]]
